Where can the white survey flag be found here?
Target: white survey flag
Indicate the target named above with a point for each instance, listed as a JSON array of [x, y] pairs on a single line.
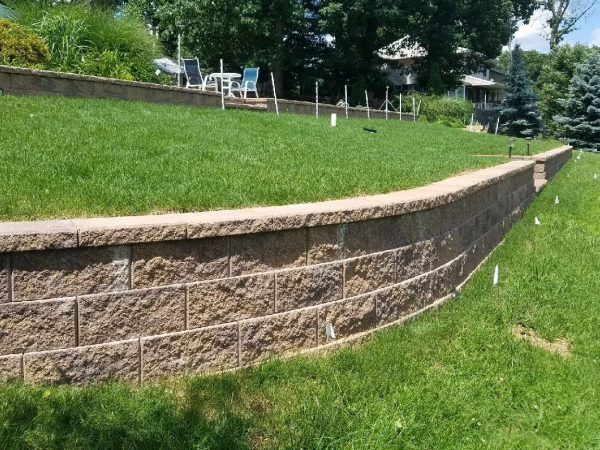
[[556, 201], [496, 275], [595, 176], [537, 221], [329, 331]]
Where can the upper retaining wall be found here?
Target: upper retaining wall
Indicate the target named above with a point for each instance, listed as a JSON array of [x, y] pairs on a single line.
[[547, 164], [16, 80], [143, 297]]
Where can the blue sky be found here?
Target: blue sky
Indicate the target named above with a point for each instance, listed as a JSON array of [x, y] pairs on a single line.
[[531, 36]]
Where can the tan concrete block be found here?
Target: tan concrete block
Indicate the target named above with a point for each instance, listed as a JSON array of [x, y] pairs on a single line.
[[261, 252], [326, 243], [427, 224], [446, 247], [84, 365], [5, 82], [130, 230], [222, 301], [4, 277], [62, 273], [299, 288], [42, 235], [164, 263], [55, 85], [348, 317], [396, 302], [131, 314], [10, 366], [278, 334], [368, 273], [35, 326], [373, 236], [190, 351], [414, 260], [26, 83]]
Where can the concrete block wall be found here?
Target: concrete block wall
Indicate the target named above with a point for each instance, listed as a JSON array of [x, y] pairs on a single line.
[[21, 81], [139, 298], [547, 164]]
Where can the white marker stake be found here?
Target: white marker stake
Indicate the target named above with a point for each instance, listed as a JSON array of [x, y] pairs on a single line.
[[346, 99], [222, 88], [333, 120], [556, 201], [537, 221], [274, 93], [386, 102], [472, 121], [400, 106], [329, 331], [317, 101], [179, 60], [419, 108], [497, 123], [595, 176], [367, 98], [496, 276], [157, 73], [414, 111]]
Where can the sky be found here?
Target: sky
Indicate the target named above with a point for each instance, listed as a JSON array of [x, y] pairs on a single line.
[[531, 36]]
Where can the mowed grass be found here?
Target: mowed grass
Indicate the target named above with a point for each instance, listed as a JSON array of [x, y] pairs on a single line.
[[453, 378], [65, 158]]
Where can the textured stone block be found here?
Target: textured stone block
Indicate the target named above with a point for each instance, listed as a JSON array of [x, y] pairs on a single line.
[[5, 82], [4, 277], [414, 260], [131, 314], [42, 235], [35, 326], [55, 85], [278, 334], [396, 302], [373, 236], [261, 252], [446, 247], [348, 317], [326, 243], [190, 351], [164, 263], [368, 273], [299, 288], [62, 273], [427, 224], [222, 301], [25, 83], [10, 367], [82, 365]]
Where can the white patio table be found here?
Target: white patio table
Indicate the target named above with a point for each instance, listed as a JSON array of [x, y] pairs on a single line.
[[228, 77]]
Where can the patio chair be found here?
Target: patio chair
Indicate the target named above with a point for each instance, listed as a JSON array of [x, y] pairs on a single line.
[[193, 74], [248, 83]]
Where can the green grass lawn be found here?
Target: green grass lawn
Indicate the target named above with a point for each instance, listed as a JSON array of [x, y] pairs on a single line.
[[63, 158], [453, 378]]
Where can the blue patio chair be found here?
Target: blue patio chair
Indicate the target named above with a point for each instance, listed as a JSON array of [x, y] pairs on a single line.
[[248, 83], [193, 74]]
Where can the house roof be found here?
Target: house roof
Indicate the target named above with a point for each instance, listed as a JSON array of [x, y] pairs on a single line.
[[469, 80], [402, 49]]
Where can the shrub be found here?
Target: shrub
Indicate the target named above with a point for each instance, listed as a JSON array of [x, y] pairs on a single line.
[[447, 111], [83, 38], [19, 48]]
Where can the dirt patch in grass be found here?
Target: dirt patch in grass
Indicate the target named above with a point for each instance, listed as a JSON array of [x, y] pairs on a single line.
[[559, 346]]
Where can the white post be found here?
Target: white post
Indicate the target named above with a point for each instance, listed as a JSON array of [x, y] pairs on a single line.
[[400, 108], [346, 99], [386, 102], [497, 123], [485, 99], [317, 102], [274, 93], [179, 60], [222, 88], [472, 121], [414, 111], [419, 108], [367, 99]]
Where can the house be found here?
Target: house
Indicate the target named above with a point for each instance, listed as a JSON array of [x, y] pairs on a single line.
[[485, 90]]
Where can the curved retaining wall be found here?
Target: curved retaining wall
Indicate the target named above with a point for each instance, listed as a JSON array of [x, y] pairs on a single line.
[[139, 298]]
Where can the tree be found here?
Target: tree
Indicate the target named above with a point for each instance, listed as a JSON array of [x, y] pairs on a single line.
[[564, 15], [580, 124], [519, 115]]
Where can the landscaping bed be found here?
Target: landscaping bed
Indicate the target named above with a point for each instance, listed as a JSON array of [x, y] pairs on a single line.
[[66, 157]]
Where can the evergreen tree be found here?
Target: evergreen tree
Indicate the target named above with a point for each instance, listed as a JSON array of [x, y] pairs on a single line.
[[580, 124], [519, 115]]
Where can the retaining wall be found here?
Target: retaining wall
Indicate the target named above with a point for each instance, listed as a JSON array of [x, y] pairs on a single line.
[[139, 298], [20, 81], [547, 164]]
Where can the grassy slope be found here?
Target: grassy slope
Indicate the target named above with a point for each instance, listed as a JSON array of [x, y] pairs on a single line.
[[81, 157], [454, 378]]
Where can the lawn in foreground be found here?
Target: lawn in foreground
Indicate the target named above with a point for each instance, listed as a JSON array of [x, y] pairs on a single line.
[[453, 378], [65, 157]]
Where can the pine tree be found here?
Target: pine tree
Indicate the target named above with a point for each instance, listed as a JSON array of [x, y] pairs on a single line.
[[519, 115], [580, 124]]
